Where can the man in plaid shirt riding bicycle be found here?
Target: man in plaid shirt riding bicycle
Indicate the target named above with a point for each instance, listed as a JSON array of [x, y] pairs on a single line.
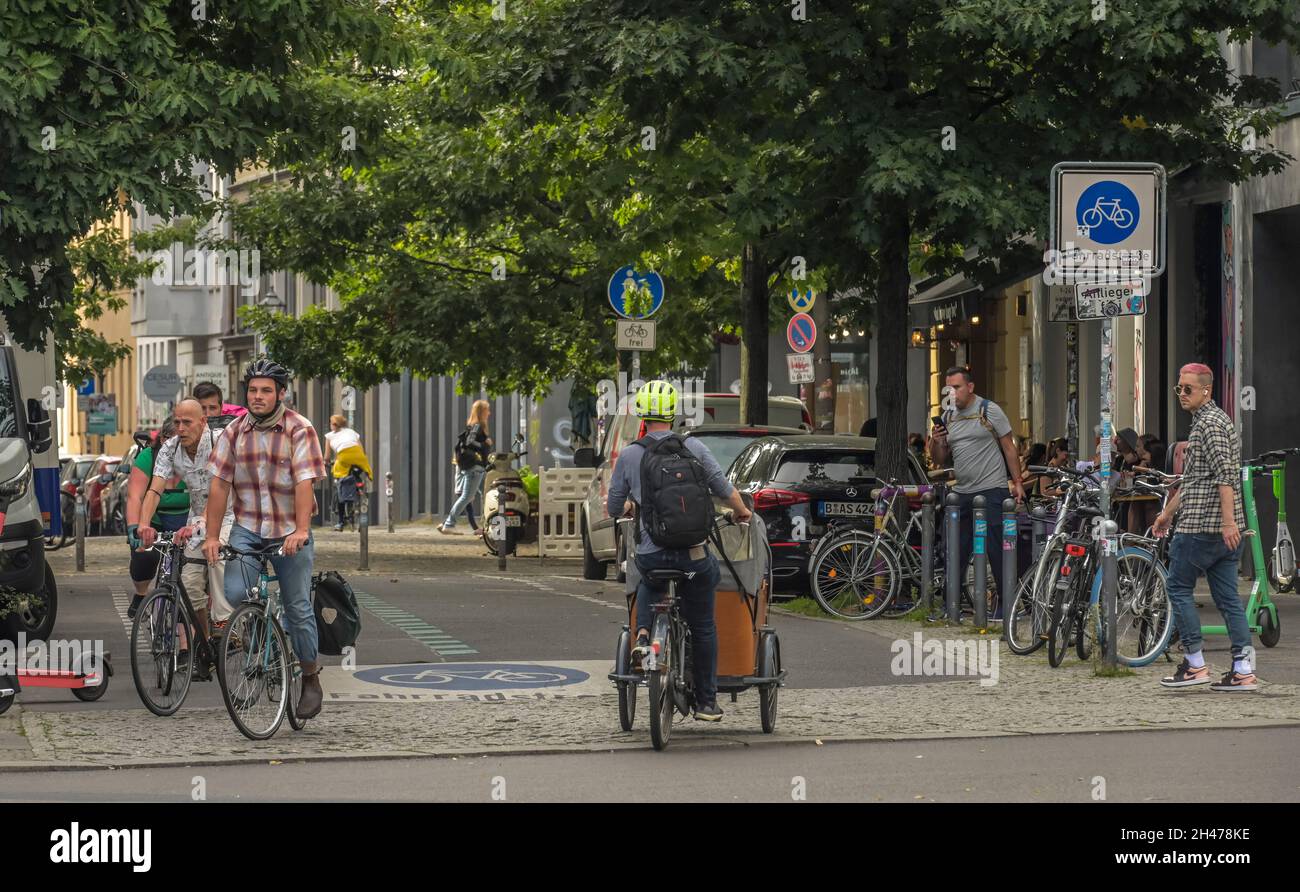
[[270, 459]]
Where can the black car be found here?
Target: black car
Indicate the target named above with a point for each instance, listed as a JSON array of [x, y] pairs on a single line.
[[799, 483], [726, 441]]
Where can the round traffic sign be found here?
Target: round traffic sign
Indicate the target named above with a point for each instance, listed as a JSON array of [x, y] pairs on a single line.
[[626, 281], [1107, 212], [161, 383], [801, 303], [801, 333]]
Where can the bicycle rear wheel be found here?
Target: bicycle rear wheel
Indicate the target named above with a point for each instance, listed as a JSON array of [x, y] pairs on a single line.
[[855, 575], [1063, 616], [253, 668], [662, 704], [295, 695], [162, 678]]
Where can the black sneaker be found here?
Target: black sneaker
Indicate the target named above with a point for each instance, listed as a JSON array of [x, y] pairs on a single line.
[[136, 601], [709, 712]]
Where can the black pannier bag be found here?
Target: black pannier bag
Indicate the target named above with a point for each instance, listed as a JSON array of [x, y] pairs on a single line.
[[338, 619]]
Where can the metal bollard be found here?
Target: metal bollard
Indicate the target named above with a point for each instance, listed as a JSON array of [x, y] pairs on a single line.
[[1109, 587], [980, 595], [79, 529], [388, 496], [1010, 564], [927, 552], [952, 546], [363, 526], [502, 531], [1040, 530]]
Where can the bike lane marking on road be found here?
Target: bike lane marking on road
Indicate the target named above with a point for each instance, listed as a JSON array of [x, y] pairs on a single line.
[[413, 626], [485, 682], [122, 601]]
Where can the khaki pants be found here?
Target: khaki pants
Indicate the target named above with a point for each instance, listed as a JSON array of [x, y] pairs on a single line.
[[197, 579]]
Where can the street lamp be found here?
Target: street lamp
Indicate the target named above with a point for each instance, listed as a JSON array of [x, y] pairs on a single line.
[[272, 300]]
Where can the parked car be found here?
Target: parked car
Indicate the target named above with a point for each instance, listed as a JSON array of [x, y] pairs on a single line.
[[74, 470], [115, 493], [726, 441], [600, 531], [800, 483]]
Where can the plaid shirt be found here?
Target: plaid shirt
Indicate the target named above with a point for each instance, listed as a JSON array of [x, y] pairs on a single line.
[[1213, 460], [263, 468]]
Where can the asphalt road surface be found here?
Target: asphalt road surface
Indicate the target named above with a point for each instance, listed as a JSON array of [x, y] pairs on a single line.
[[1255, 765]]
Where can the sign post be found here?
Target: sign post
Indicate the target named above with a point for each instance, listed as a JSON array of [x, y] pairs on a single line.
[[1108, 236]]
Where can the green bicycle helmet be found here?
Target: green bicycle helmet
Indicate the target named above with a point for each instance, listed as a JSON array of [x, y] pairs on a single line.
[[656, 401]]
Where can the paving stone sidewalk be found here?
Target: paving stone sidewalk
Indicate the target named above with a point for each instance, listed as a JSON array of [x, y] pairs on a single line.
[[1029, 698]]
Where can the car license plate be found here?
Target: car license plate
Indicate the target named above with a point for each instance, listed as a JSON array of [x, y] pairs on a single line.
[[848, 509], [514, 520]]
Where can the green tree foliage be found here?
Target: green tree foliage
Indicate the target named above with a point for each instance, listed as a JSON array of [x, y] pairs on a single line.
[[109, 95]]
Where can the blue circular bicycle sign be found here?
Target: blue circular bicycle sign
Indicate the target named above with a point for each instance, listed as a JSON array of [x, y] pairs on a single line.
[[1107, 212], [473, 676]]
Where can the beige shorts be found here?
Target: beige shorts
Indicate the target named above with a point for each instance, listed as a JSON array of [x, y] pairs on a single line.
[[195, 577]]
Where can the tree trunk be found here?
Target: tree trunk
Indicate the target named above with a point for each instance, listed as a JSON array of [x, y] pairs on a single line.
[[823, 386], [891, 342], [754, 324]]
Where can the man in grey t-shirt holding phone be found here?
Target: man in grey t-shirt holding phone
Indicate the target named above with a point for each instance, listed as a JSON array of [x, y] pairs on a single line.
[[976, 434]]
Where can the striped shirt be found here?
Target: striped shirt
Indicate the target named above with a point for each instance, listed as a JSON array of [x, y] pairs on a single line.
[[1213, 460], [263, 467]]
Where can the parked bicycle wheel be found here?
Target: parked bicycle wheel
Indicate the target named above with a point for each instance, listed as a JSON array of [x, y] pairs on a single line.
[[161, 675], [1144, 622], [855, 575], [1060, 636], [253, 669], [1031, 616]]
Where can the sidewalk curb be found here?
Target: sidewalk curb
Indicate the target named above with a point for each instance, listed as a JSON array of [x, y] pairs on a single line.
[[641, 745]]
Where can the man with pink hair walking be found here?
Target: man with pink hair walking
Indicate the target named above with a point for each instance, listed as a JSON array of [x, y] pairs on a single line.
[[1207, 536]]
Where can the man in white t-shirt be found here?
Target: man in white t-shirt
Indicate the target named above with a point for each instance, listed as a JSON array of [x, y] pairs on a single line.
[[186, 455]]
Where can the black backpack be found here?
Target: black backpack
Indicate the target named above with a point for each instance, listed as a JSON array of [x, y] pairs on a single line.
[[676, 506], [469, 448], [338, 619]]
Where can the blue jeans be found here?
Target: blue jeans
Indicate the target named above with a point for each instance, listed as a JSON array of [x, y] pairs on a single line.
[[697, 596], [468, 483], [1190, 555], [294, 575], [993, 537]]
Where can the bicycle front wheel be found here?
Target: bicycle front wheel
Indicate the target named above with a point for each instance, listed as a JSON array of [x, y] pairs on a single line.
[[161, 673], [1144, 620], [253, 668], [1027, 625], [855, 575]]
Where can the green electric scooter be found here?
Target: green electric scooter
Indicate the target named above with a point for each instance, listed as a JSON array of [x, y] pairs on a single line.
[[1281, 566], [1261, 612]]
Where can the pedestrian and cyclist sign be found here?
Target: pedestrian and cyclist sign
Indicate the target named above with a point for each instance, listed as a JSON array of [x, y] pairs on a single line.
[[1108, 216], [627, 287]]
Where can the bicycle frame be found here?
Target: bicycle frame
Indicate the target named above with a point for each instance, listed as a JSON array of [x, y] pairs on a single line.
[[169, 572]]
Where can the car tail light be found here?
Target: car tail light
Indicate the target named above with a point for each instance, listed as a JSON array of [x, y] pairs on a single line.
[[773, 498], [1075, 550]]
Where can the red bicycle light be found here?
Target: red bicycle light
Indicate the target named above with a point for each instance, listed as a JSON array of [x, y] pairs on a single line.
[[1065, 569], [1075, 550]]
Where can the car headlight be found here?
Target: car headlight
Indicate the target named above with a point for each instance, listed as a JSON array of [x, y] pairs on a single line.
[[16, 487]]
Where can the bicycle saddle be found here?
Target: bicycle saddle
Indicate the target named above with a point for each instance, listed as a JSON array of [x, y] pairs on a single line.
[[1275, 456], [666, 574]]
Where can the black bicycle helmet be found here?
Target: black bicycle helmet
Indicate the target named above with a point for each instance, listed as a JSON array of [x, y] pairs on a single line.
[[266, 368]]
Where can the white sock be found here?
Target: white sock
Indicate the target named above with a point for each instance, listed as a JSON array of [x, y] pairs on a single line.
[[1242, 664], [1196, 660]]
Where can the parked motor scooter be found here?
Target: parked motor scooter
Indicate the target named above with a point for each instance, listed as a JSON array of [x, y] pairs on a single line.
[[519, 511]]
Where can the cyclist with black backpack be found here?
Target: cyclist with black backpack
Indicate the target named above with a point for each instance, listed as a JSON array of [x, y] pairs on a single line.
[[671, 480]]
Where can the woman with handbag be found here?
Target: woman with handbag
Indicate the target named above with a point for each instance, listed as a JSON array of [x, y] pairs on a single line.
[[471, 456]]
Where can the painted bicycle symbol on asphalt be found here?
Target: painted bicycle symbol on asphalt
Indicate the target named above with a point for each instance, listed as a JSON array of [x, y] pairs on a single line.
[[473, 676]]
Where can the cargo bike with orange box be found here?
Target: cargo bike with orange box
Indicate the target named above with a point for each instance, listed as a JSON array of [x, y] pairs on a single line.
[[749, 651]]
